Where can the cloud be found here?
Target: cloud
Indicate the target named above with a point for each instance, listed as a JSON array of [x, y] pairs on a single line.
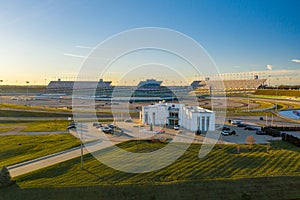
[[86, 57], [296, 60], [84, 47], [74, 55], [269, 67]]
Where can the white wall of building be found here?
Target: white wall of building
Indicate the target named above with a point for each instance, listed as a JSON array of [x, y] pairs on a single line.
[[189, 117], [154, 114]]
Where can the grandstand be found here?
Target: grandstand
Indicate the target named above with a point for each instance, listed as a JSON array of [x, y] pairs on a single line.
[[230, 86], [60, 86]]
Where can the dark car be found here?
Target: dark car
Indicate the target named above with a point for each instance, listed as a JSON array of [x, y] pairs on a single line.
[[72, 125], [261, 133], [241, 125], [106, 129], [111, 126], [252, 128], [96, 124], [261, 118], [225, 129]]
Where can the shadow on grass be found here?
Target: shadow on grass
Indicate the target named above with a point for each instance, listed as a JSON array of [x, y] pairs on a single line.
[[252, 188], [53, 171]]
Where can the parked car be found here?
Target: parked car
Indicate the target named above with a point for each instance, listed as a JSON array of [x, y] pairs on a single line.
[[261, 118], [241, 125], [71, 125], [252, 128], [225, 129], [176, 127], [225, 133], [111, 126], [99, 126], [106, 129], [261, 133], [235, 122], [96, 123]]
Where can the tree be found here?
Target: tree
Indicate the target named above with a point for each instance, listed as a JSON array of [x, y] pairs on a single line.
[[250, 140], [5, 178]]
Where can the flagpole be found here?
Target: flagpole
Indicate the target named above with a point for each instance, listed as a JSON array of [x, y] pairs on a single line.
[[81, 147]]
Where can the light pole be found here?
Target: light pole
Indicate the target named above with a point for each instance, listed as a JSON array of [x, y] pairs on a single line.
[[248, 98], [277, 95], [27, 82], [1, 91]]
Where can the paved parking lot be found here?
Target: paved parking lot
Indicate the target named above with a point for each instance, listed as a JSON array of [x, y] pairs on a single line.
[[133, 130], [242, 134]]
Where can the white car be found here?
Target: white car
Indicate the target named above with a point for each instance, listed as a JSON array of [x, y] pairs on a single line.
[[225, 133], [176, 127]]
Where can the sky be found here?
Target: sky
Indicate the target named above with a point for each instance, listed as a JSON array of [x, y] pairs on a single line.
[[45, 39]]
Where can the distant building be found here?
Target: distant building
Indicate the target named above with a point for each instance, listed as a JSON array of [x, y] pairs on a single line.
[[192, 118], [149, 83], [197, 84], [60, 86], [229, 85]]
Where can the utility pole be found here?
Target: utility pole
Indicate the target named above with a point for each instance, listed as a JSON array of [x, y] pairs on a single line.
[[248, 98], [82, 129], [27, 82], [81, 147], [277, 95], [1, 91]]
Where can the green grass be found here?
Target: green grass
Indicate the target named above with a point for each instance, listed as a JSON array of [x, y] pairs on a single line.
[[286, 93], [37, 126], [23, 88], [222, 173], [33, 108], [21, 113], [247, 113], [272, 188], [19, 148], [3, 130], [55, 125]]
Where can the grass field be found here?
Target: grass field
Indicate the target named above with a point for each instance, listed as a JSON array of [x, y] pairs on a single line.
[[269, 188], [19, 148], [230, 114], [3, 130], [33, 108], [21, 113], [286, 93], [23, 88], [54, 125], [36, 126], [224, 173]]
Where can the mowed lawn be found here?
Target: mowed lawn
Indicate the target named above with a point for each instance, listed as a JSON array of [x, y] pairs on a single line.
[[223, 173], [34, 126], [20, 148], [29, 113]]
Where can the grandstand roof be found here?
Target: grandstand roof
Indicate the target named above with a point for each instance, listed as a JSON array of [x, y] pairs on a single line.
[[233, 84]]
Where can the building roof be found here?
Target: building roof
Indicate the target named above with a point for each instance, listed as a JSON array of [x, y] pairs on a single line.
[[197, 109]]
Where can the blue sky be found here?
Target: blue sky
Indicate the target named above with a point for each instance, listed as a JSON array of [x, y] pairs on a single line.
[[39, 39]]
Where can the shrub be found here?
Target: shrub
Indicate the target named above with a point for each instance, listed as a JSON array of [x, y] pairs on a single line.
[[5, 178], [233, 132]]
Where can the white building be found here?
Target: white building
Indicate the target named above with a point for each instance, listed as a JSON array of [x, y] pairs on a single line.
[[190, 117]]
